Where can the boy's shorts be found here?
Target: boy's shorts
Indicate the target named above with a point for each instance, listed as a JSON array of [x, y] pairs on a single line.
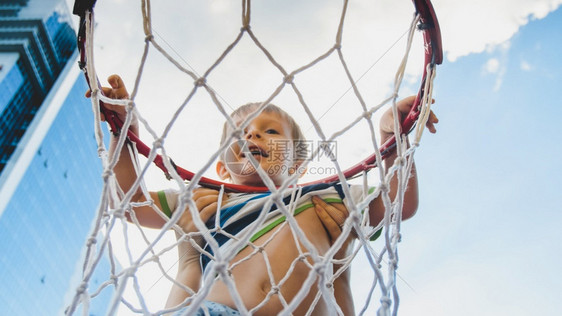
[[215, 309]]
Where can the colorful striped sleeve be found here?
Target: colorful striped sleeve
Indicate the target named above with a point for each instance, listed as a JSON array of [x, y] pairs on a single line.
[[167, 202]]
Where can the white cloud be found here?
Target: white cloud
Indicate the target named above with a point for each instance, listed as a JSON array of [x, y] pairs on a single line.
[[492, 66], [473, 26], [495, 67], [524, 65]]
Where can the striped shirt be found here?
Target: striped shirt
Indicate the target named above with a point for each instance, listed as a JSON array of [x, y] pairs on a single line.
[[244, 213]]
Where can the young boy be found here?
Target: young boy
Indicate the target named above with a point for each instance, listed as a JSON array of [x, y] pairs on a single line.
[[266, 279]]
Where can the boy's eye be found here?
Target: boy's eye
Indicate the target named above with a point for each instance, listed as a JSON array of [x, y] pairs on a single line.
[[271, 131]]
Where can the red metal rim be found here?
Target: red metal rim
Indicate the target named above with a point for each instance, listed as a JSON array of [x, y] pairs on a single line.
[[433, 56]]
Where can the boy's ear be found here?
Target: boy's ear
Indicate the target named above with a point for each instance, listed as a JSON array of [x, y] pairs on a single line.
[[222, 172]]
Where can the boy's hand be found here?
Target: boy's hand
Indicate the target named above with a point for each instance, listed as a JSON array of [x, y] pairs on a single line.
[[117, 90], [387, 120], [333, 216], [207, 202]]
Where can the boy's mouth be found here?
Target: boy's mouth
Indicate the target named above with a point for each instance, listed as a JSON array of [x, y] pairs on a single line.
[[255, 151]]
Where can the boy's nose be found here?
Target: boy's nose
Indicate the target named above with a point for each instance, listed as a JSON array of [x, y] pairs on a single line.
[[253, 134]]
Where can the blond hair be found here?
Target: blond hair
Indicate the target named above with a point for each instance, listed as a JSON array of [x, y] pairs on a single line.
[[297, 136]]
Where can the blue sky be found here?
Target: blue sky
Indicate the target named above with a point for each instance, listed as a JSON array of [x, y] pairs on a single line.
[[485, 240]]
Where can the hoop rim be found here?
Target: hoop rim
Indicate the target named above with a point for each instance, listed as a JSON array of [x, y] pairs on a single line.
[[429, 25]]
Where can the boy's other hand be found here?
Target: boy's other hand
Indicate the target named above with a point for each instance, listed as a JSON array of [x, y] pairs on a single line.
[[387, 120], [333, 216], [207, 202], [116, 90]]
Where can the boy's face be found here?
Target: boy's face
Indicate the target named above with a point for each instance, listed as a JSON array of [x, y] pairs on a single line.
[[268, 140]]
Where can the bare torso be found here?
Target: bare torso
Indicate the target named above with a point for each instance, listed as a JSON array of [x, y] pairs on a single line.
[[282, 253]]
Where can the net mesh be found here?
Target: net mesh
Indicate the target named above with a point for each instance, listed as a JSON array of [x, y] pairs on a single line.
[[324, 266]]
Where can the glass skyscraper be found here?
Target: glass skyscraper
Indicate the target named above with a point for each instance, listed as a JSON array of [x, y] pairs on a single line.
[[49, 168], [40, 34]]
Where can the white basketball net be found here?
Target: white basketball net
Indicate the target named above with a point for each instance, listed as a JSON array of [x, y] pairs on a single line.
[[114, 202]]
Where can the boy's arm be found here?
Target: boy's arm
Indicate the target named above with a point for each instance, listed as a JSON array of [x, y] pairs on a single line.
[[189, 269], [333, 216], [124, 169], [376, 207], [206, 201], [188, 275]]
